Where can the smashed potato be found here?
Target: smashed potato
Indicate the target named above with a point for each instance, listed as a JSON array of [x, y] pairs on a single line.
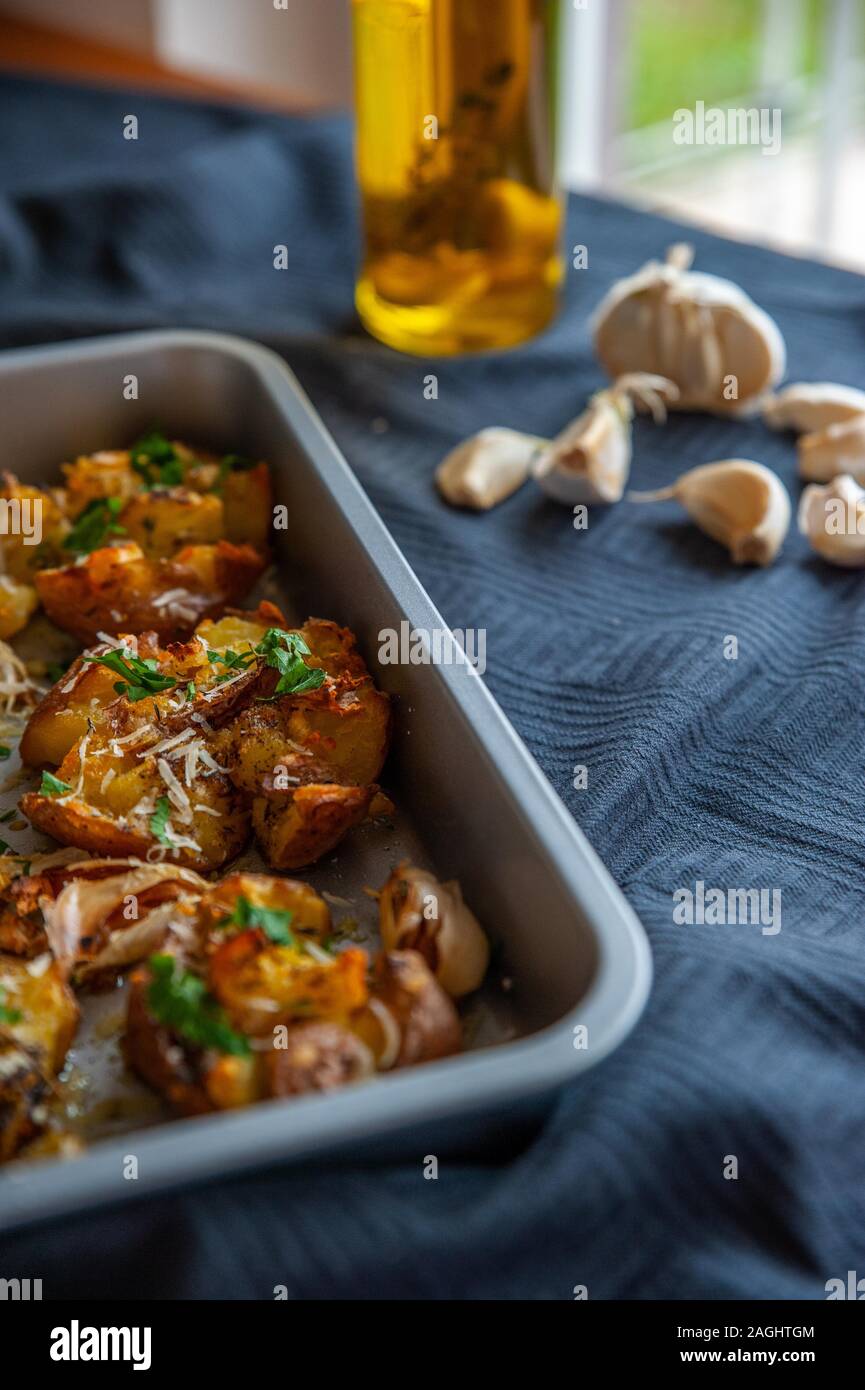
[[119, 589], [38, 1018], [297, 766]]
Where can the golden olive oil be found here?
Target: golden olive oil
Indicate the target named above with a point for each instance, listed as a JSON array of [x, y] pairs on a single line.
[[455, 157]]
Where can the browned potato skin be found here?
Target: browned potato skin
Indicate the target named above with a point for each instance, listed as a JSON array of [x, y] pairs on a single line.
[[20, 560], [61, 717], [332, 741], [308, 822], [33, 1049], [160, 1058], [317, 1057], [116, 588], [96, 827], [427, 1018]]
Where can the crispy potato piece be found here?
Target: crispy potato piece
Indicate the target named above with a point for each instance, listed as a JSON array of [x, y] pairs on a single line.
[[118, 589], [310, 914], [310, 761], [240, 630], [166, 519], [23, 555], [158, 1056], [18, 603], [248, 498], [116, 819], [300, 826], [33, 1046], [262, 985], [62, 715], [108, 473], [428, 1023]]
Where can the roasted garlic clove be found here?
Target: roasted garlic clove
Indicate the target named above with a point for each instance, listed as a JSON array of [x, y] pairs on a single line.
[[486, 468], [833, 519], [417, 913], [590, 460], [809, 406], [739, 503], [702, 332], [826, 454]]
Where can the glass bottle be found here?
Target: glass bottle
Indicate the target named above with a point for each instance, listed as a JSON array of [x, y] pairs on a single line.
[[456, 164]]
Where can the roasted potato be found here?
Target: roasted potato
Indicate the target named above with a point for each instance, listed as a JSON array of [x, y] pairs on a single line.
[[310, 761], [422, 1021], [166, 519], [118, 589], [38, 1018], [18, 603], [309, 914], [261, 985], [117, 800]]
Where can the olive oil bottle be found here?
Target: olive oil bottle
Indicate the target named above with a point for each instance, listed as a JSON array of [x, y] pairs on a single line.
[[455, 157]]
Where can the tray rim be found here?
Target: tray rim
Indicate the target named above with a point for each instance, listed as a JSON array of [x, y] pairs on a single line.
[[175, 1153]]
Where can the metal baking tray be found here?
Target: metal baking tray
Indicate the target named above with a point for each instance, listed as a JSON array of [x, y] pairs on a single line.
[[568, 950]]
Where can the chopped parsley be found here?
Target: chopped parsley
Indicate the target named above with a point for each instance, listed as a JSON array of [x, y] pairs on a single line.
[[179, 1000], [5, 753], [190, 691], [55, 671], [96, 524], [234, 662], [156, 460], [274, 922], [141, 677], [159, 820], [52, 786], [284, 651], [8, 1015]]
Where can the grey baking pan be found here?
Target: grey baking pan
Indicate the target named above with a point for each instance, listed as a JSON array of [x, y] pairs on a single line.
[[569, 954]]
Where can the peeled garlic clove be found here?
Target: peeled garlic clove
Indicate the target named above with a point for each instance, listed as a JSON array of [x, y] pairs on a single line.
[[699, 330], [590, 460], [739, 503], [838, 449], [833, 519], [810, 406], [417, 913], [487, 468]]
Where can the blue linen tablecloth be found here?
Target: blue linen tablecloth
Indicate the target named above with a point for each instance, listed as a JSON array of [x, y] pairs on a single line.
[[605, 648]]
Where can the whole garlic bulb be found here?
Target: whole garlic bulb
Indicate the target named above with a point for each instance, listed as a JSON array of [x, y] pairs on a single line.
[[809, 406], [487, 467], [417, 913], [742, 504], [590, 460], [698, 330], [828, 453], [833, 519]]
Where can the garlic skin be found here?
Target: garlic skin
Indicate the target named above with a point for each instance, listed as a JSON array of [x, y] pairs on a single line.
[[810, 406], [695, 329], [417, 913], [826, 454], [833, 519], [742, 504], [487, 468], [590, 460]]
